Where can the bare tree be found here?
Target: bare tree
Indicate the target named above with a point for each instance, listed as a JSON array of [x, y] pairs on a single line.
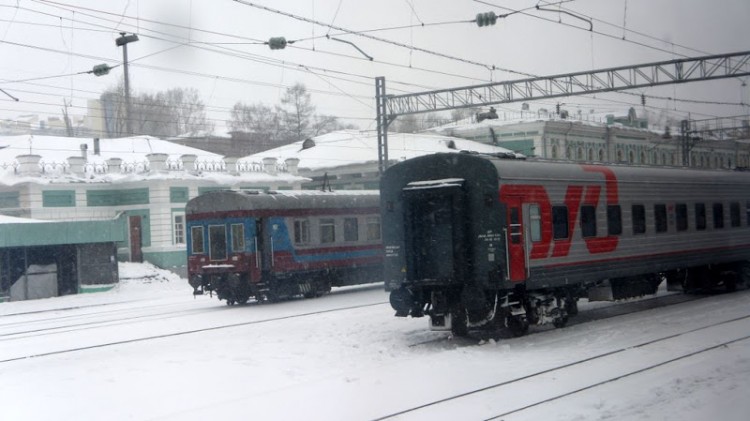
[[296, 111], [259, 121], [173, 112]]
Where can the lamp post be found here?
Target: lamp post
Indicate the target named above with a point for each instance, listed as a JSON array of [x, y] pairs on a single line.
[[123, 42]]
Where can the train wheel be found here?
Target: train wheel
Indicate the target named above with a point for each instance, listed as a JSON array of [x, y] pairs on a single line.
[[561, 321], [459, 321], [518, 325]]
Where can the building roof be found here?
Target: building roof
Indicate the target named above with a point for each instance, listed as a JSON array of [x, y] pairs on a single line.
[[347, 147], [24, 232], [135, 153]]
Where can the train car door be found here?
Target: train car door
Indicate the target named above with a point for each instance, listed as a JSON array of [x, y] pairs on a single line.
[[263, 247], [515, 240], [435, 228]]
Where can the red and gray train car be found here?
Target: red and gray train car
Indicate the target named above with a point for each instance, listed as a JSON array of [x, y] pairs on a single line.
[[248, 244], [476, 241]]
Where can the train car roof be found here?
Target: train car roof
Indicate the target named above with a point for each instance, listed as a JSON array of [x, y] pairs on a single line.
[[230, 200], [529, 170]]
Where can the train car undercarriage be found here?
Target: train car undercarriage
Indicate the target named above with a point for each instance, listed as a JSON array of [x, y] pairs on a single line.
[[468, 309]]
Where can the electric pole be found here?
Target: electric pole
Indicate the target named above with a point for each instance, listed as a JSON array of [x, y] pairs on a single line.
[[123, 42]]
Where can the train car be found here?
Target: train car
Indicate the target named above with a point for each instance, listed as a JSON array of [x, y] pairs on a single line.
[[269, 246], [476, 241]]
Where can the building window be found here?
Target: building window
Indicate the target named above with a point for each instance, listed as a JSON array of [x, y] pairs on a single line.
[[681, 217], [560, 222], [614, 220], [639, 219], [700, 216], [301, 231], [554, 151], [588, 221], [660, 218], [718, 209], [327, 231], [601, 155], [351, 229], [631, 157], [238, 237], [196, 236], [178, 227], [373, 228]]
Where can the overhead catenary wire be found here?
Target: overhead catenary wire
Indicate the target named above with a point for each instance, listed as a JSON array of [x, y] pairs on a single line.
[[269, 60]]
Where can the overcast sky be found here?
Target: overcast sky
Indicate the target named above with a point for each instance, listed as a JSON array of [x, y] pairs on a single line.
[[216, 47]]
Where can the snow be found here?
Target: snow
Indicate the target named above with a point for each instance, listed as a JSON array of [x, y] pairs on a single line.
[[149, 350], [133, 151], [348, 147]]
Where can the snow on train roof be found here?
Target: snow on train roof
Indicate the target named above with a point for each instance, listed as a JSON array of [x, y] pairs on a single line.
[[347, 147], [227, 200]]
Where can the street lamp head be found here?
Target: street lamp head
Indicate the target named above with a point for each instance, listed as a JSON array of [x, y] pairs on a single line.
[[125, 39]]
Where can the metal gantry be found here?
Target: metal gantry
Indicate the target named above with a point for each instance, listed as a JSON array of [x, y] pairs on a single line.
[[720, 66]]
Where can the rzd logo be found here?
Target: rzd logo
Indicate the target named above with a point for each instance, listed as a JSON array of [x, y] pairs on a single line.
[[575, 197]]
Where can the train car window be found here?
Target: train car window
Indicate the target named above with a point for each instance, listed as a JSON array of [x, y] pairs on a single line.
[[196, 244], [718, 211], [660, 218], [301, 231], [535, 219], [238, 237], [681, 215], [614, 220], [327, 230], [639, 219], [734, 214], [560, 222], [351, 229], [515, 223], [373, 228], [700, 216], [588, 221]]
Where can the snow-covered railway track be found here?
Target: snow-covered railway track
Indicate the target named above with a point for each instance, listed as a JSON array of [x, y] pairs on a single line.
[[112, 343], [76, 323], [492, 402]]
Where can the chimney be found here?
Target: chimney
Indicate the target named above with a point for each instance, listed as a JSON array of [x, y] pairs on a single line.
[[292, 165], [188, 162], [96, 146], [84, 151], [113, 165], [76, 164], [231, 164], [157, 162], [29, 164], [269, 165]]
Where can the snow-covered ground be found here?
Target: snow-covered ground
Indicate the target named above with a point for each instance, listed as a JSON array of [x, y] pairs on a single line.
[[148, 350]]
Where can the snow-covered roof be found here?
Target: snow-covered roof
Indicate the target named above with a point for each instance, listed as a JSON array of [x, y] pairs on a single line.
[[54, 153], [347, 147]]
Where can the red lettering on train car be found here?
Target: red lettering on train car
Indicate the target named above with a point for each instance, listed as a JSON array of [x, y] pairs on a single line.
[[538, 195], [575, 196]]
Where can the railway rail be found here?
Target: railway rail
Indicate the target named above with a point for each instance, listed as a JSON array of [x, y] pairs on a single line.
[[495, 392]]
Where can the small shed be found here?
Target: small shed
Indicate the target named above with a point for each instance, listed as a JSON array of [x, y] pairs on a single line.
[[40, 259]]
